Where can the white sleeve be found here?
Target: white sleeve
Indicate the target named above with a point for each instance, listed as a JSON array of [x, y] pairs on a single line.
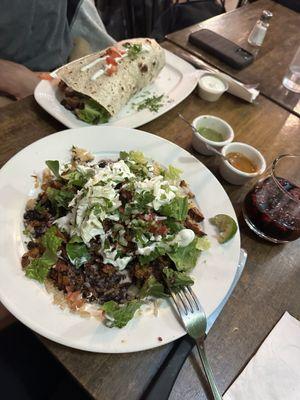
[[88, 25]]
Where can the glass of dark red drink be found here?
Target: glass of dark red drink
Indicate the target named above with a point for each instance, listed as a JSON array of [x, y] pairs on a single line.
[[272, 208]]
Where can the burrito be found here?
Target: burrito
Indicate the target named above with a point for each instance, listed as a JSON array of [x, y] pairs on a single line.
[[98, 86]]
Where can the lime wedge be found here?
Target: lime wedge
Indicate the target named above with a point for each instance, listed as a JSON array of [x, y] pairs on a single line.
[[226, 225]]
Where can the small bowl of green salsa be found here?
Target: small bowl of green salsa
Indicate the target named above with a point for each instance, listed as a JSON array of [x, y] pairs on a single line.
[[212, 130], [210, 134]]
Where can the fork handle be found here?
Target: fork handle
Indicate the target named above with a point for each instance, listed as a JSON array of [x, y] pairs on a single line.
[[208, 372]]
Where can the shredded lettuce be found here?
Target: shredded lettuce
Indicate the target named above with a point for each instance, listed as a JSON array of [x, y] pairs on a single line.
[[59, 198], [152, 288], [158, 251], [53, 165], [77, 251], [38, 269], [136, 162], [133, 49], [92, 113], [203, 243], [173, 225], [172, 173], [77, 178], [176, 279], [118, 315], [143, 200], [51, 241], [133, 155], [185, 258], [177, 208]]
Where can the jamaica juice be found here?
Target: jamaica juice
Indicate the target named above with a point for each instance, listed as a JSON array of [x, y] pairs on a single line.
[[274, 211]]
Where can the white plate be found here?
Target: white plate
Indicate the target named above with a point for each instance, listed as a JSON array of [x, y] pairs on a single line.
[[176, 81], [29, 301]]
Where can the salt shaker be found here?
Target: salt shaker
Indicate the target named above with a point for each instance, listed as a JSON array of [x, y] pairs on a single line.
[[259, 30]]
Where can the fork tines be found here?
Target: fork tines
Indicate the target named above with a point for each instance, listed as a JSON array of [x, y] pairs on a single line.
[[186, 301]]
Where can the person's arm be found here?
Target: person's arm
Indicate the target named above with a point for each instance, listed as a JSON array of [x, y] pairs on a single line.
[[88, 25], [16, 80]]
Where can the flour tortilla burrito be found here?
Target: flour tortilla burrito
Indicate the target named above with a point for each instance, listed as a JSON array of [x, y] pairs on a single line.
[[99, 85]]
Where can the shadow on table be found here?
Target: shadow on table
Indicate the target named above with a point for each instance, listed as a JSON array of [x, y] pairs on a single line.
[[29, 372]]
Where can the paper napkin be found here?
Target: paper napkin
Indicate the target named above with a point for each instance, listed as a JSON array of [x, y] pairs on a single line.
[[274, 371], [237, 88]]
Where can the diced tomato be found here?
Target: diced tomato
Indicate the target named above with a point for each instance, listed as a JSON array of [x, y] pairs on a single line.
[[45, 76], [113, 52], [111, 60], [74, 300], [160, 229], [73, 296], [111, 70], [149, 217]]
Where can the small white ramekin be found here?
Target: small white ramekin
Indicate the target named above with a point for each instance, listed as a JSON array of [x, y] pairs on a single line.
[[209, 93], [219, 125], [234, 175]]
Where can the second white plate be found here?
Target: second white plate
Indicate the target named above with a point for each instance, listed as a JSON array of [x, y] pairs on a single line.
[[176, 81]]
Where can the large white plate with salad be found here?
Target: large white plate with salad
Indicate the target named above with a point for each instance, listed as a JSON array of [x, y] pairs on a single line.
[[173, 84], [154, 323]]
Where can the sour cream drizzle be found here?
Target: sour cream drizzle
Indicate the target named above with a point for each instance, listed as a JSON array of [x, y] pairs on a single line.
[[98, 73], [102, 71], [88, 66]]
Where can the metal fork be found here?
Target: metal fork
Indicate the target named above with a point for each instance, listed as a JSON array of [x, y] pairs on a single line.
[[194, 320]]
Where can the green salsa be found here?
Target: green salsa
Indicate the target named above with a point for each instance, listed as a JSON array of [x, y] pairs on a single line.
[[210, 134]]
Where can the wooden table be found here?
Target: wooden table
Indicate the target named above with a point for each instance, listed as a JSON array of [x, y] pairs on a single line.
[[272, 60], [269, 285]]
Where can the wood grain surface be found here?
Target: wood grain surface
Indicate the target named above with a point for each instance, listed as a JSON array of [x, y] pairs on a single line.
[[269, 285], [272, 59]]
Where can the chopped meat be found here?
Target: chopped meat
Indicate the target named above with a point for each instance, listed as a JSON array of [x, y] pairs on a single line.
[[195, 214], [34, 252], [141, 273], [31, 245], [62, 85], [30, 204], [72, 103], [159, 228], [125, 196], [70, 92], [103, 163], [108, 269], [47, 177], [186, 189], [82, 155], [107, 225], [33, 215], [143, 67], [25, 261], [56, 184], [194, 226], [96, 282]]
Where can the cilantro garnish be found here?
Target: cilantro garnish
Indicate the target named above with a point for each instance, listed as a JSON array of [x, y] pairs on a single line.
[[133, 50], [151, 103]]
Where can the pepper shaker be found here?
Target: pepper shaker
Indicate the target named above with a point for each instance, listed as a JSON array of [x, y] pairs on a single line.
[[259, 30]]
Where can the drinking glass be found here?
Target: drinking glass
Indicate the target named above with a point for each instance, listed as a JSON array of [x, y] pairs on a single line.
[[291, 81], [272, 207]]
